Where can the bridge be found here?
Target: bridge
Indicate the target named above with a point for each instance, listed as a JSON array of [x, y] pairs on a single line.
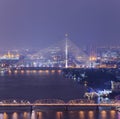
[[57, 104], [58, 55]]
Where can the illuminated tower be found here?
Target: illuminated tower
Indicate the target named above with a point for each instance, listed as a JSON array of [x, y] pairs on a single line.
[[66, 51]]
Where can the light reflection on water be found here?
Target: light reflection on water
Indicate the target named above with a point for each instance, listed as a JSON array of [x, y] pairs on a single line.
[[112, 114], [39, 114], [5, 115], [81, 114], [61, 115], [35, 82], [33, 115], [32, 71], [103, 114], [15, 115], [91, 115]]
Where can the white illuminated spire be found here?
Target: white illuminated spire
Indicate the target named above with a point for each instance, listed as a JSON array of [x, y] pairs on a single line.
[[66, 51]]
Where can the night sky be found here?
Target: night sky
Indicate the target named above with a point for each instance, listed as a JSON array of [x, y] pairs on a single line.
[[40, 23]]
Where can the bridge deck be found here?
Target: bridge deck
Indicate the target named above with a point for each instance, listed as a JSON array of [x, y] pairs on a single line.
[[53, 104]]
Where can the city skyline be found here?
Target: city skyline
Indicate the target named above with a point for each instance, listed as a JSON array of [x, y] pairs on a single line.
[[58, 57], [37, 24]]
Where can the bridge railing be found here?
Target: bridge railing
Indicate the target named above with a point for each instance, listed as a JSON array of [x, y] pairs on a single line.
[[56, 101], [81, 101], [14, 101], [49, 101]]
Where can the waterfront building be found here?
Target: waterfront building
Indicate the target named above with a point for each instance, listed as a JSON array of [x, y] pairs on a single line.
[[9, 59]]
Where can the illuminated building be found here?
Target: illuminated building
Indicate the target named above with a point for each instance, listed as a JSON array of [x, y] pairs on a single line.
[[9, 59], [10, 56]]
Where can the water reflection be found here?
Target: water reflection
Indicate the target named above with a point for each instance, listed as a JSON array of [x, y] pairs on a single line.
[[9, 72], [91, 115], [15, 115], [34, 83], [28, 72], [59, 71], [47, 71], [34, 71], [5, 115], [103, 114], [81, 115], [33, 115], [15, 71], [1, 115], [59, 115], [53, 71], [39, 115], [26, 115], [22, 72], [111, 114], [40, 71]]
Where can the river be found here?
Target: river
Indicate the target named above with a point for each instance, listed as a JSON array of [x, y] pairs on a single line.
[[45, 84]]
